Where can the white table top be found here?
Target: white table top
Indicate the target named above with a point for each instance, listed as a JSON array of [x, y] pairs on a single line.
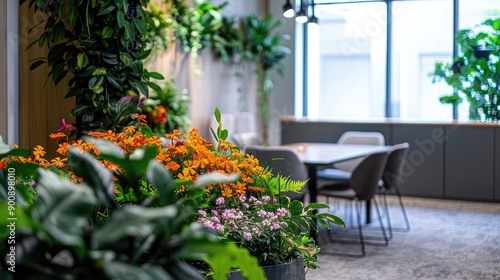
[[327, 153]]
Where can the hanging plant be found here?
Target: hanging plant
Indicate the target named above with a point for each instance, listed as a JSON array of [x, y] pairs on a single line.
[[227, 40], [195, 27], [102, 44], [262, 46]]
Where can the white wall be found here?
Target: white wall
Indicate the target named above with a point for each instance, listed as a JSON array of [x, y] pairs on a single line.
[[281, 100]]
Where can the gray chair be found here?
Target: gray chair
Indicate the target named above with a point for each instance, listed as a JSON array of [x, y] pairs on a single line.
[[391, 180], [358, 138], [290, 166], [361, 187], [342, 170]]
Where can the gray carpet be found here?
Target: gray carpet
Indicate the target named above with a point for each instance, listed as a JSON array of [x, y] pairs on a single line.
[[449, 239]]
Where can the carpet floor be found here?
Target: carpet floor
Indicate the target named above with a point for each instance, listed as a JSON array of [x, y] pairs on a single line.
[[448, 239]]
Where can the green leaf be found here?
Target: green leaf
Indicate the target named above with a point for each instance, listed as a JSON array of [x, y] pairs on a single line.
[[496, 24], [81, 61], [132, 221], [139, 24], [163, 181], [125, 107], [107, 32], [215, 178], [94, 174], [63, 208], [234, 255], [36, 64], [106, 10], [120, 18], [114, 83], [296, 207], [117, 270], [217, 114], [79, 109], [154, 86], [156, 75], [125, 58], [95, 82], [316, 206]]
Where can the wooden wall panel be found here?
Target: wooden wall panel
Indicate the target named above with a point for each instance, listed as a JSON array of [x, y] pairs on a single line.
[[41, 103]]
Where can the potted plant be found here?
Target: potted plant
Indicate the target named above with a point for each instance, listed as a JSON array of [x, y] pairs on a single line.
[[102, 44], [474, 71], [261, 45], [277, 230], [62, 235]]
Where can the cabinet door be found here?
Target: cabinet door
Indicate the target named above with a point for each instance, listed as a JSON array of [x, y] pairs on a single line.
[[423, 171], [497, 164], [469, 162]]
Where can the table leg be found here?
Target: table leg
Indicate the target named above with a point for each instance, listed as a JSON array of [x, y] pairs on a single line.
[[368, 210], [312, 184], [313, 193]]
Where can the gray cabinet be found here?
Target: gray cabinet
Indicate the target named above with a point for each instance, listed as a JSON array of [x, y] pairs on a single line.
[[423, 172], [497, 164], [469, 162], [446, 160]]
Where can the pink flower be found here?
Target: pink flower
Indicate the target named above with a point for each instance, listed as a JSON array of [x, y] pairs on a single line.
[[65, 125], [219, 201], [247, 236], [202, 213]]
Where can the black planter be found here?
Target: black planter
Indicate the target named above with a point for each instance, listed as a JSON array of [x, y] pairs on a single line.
[[293, 270]]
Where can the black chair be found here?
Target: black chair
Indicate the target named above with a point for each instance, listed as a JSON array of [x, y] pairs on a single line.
[[391, 180], [290, 166], [361, 187]]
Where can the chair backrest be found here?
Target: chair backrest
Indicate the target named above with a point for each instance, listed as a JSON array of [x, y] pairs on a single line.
[[395, 160], [290, 166], [367, 174], [362, 138]]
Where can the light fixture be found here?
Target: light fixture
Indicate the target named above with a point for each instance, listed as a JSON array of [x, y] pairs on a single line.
[[301, 16], [313, 18], [288, 10]]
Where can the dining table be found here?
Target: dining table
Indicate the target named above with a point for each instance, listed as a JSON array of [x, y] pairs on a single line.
[[314, 155]]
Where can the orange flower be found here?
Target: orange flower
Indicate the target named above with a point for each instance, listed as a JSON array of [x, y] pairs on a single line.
[[55, 136], [58, 161], [240, 188], [98, 134], [129, 129], [38, 152], [174, 135], [43, 162], [3, 163], [63, 149], [141, 119], [226, 192]]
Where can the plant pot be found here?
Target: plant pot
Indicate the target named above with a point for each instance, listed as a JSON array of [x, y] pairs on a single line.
[[293, 270]]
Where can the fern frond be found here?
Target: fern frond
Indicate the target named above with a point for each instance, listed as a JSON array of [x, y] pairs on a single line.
[[278, 184]]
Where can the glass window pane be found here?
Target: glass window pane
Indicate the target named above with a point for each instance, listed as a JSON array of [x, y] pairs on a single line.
[[352, 47], [422, 34]]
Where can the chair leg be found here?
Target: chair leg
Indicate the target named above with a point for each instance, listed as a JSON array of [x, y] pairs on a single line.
[[403, 209], [381, 223], [360, 230], [389, 226]]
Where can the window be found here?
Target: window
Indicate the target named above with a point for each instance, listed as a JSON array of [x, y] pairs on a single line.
[[352, 47], [357, 70]]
